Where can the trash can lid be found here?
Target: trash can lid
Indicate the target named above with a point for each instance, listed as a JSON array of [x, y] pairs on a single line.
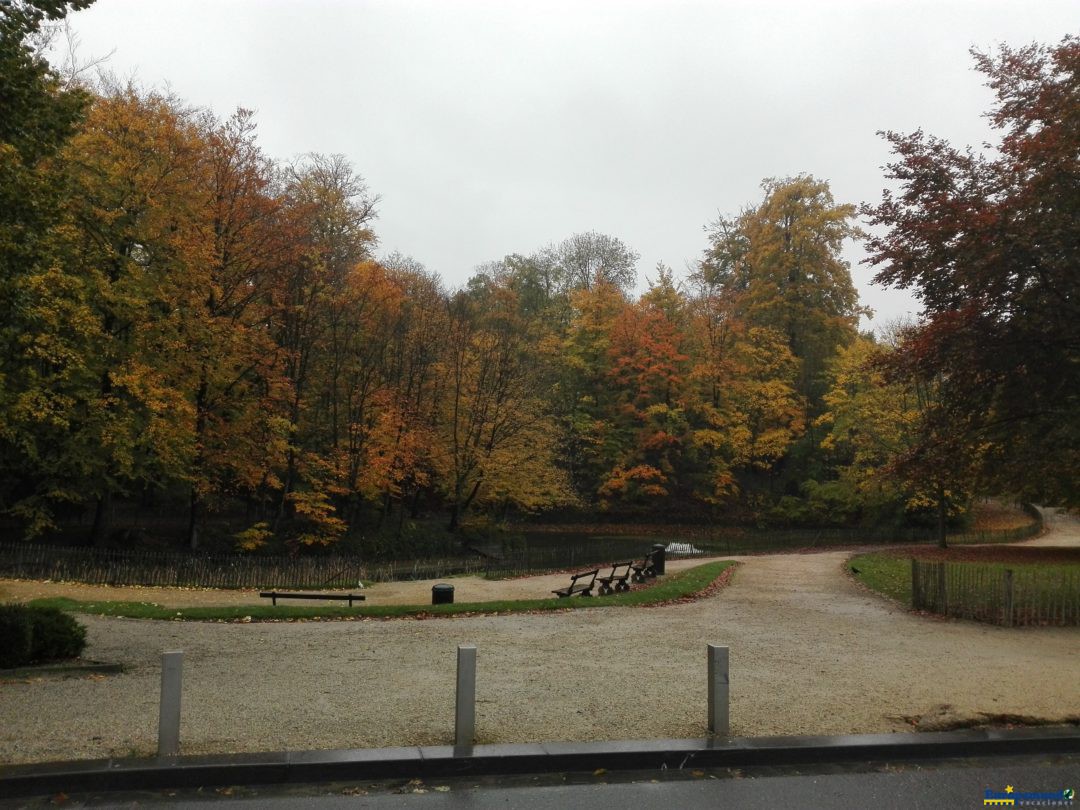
[[442, 586]]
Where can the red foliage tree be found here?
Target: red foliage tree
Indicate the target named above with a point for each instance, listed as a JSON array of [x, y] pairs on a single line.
[[989, 242]]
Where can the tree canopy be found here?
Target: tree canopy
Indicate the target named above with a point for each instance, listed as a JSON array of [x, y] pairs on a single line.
[[988, 241], [203, 338]]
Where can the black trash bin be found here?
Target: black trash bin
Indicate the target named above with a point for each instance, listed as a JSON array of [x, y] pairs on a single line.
[[659, 554], [442, 594]]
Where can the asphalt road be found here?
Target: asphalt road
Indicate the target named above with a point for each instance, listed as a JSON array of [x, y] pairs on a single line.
[[912, 786]]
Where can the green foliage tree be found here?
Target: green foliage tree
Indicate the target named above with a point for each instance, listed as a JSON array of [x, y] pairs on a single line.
[[874, 422], [38, 114]]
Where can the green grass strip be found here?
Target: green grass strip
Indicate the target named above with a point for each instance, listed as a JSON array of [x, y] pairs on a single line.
[[674, 586], [890, 575]]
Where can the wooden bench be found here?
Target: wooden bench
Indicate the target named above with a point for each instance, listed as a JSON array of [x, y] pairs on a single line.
[[620, 574], [341, 597], [578, 584], [645, 568]]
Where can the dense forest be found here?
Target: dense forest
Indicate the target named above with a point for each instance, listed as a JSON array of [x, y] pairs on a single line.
[[196, 330]]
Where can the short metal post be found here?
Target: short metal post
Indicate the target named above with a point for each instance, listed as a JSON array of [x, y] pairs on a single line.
[[172, 668], [719, 712], [465, 707]]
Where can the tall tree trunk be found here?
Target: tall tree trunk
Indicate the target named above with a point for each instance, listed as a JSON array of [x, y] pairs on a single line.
[[99, 532], [460, 506], [194, 503], [941, 537], [194, 518]]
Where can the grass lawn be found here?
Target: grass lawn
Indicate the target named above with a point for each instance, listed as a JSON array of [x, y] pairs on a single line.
[[885, 574], [890, 574], [682, 585]]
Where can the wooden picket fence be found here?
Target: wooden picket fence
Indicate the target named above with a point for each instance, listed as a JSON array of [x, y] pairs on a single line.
[[171, 569], [1024, 595]]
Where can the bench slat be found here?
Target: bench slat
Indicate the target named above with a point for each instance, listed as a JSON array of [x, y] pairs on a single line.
[[576, 587], [336, 597]]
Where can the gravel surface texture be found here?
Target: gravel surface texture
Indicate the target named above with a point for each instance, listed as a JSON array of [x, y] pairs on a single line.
[[811, 653]]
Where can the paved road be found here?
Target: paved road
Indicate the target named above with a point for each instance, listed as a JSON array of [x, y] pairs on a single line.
[[922, 787]]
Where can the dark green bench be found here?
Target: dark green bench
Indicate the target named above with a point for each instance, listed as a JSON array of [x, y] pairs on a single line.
[[578, 584], [619, 576]]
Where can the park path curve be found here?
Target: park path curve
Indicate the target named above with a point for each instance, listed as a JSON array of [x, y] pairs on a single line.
[[811, 653]]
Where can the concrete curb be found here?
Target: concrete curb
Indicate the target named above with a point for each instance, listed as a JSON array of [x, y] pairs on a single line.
[[445, 761]]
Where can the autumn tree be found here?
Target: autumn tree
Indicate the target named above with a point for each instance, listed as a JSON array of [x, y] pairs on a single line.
[[241, 436], [583, 399], [132, 204], [386, 366], [783, 262], [38, 114], [646, 372], [329, 211], [493, 405], [743, 400], [988, 242]]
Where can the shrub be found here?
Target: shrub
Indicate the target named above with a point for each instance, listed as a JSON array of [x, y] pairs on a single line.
[[29, 634], [56, 635], [16, 636]]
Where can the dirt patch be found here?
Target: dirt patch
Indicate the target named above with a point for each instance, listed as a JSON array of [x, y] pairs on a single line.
[[945, 717], [993, 516], [76, 668]]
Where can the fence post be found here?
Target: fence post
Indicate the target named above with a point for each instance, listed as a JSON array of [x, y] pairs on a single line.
[[916, 586], [943, 595], [465, 703], [719, 711], [1008, 597], [172, 667]]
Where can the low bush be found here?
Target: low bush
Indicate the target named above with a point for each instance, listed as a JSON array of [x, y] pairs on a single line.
[[16, 636], [56, 635], [30, 634]]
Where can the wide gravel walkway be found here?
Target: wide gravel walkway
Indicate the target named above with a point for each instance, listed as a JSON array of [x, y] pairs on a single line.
[[811, 653]]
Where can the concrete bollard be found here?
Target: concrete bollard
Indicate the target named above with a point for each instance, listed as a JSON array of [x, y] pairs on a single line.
[[172, 670], [719, 709], [465, 704]]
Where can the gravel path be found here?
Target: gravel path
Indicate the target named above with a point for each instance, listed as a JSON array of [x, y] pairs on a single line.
[[811, 652]]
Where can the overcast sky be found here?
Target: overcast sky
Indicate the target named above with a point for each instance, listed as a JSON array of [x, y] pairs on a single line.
[[499, 127]]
